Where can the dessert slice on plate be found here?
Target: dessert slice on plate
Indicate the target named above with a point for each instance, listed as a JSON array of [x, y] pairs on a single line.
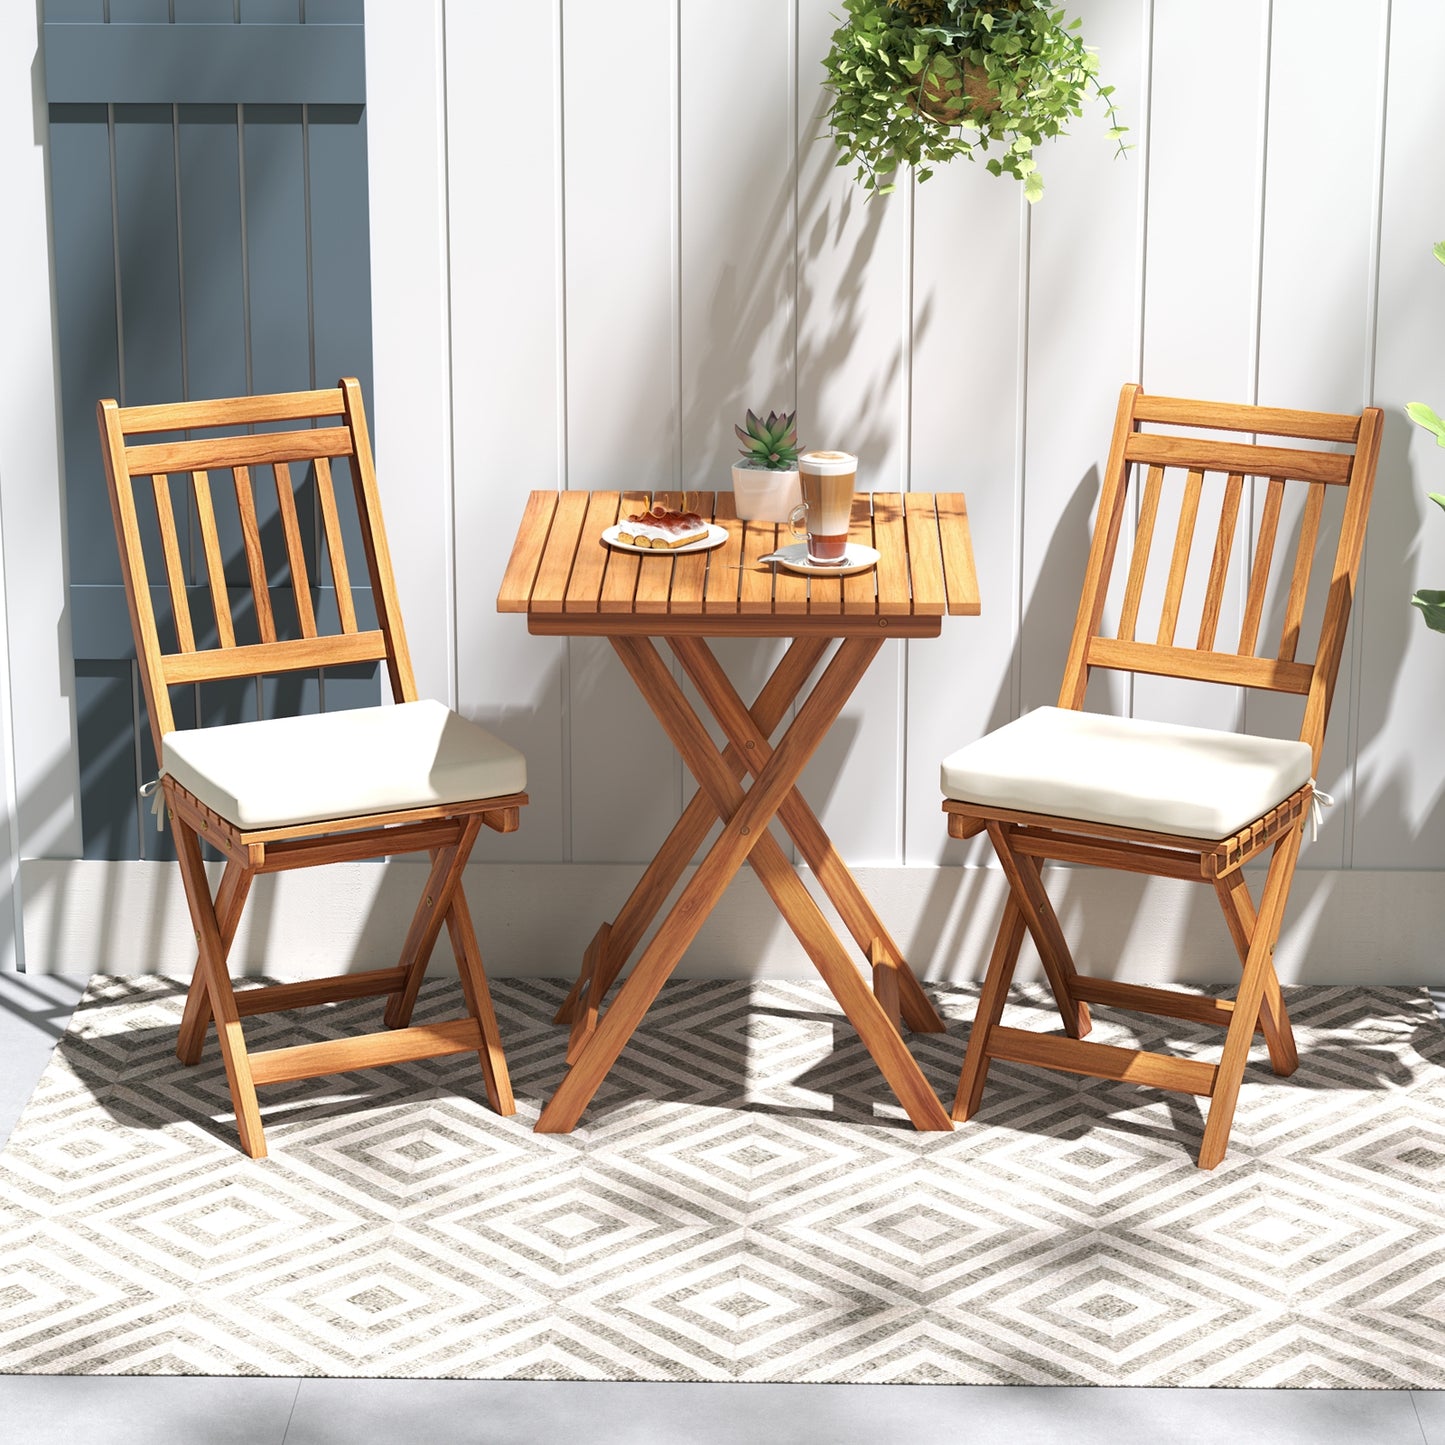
[[662, 528]]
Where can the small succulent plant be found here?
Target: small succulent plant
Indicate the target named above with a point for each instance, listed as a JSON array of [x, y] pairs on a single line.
[[772, 444]]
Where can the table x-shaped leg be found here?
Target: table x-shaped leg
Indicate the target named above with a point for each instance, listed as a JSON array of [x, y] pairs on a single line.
[[747, 752], [745, 818]]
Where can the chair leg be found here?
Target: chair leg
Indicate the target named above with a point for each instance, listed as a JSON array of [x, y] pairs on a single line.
[[217, 986], [1027, 885], [479, 1003], [230, 901], [426, 923], [590, 989], [990, 1009], [1239, 913], [1258, 970]]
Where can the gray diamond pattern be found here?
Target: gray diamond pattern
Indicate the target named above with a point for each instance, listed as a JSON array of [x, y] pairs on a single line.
[[743, 1201]]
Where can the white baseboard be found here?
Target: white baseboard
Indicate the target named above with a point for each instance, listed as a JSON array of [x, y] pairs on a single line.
[[534, 919]]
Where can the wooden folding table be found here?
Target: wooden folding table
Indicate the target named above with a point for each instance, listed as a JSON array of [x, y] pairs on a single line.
[[568, 582]]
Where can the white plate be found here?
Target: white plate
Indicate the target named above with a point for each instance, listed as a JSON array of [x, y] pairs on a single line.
[[715, 537], [857, 558]]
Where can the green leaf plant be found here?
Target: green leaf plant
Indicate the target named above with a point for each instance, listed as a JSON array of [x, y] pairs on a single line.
[[1430, 600], [770, 445], [919, 82]]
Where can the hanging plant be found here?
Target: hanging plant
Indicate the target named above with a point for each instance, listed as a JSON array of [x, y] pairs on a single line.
[[919, 82]]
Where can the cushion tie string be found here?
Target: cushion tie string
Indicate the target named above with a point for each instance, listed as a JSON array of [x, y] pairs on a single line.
[[1319, 801], [153, 791]]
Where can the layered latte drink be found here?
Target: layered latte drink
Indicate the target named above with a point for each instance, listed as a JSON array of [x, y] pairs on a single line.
[[827, 479]]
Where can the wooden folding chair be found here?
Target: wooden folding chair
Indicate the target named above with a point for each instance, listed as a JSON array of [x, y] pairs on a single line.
[[1187, 803], [295, 792]]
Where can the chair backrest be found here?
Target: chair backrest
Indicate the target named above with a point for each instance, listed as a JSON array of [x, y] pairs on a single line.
[[229, 438], [1165, 458]]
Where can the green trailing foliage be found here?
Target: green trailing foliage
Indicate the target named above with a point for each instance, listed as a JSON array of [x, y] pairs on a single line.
[[1430, 600], [770, 444], [920, 82]]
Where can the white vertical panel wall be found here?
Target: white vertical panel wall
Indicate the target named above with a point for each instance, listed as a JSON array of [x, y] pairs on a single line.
[[638, 234], [595, 243]]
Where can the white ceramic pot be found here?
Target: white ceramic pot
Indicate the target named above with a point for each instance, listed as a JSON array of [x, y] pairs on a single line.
[[765, 496]]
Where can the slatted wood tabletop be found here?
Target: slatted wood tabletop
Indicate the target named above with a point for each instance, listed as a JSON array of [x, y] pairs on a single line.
[[567, 580]]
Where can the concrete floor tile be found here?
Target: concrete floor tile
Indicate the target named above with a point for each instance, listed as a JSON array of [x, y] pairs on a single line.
[[34, 1010], [1430, 1407], [149, 1410], [445, 1412]]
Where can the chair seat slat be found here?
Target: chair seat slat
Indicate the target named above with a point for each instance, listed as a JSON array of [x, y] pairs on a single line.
[[215, 566], [1259, 572], [175, 568], [1139, 561], [1219, 566]]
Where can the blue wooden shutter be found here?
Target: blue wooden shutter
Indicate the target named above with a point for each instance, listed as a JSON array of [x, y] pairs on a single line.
[[208, 178]]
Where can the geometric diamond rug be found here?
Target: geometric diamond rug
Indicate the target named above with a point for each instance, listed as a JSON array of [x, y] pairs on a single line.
[[742, 1201]]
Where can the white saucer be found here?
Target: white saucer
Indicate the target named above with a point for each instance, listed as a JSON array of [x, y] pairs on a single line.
[[715, 537], [857, 558]]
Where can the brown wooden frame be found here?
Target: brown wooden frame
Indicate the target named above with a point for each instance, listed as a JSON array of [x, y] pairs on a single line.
[[1023, 841], [567, 581], [330, 424]]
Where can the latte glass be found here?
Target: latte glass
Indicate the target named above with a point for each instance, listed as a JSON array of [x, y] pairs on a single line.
[[828, 480]]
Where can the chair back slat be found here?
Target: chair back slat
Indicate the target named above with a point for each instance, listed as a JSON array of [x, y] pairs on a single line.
[[1179, 562], [1274, 421], [254, 450], [1259, 569], [1156, 461], [1216, 456], [215, 567], [1219, 564], [292, 655], [295, 552], [1304, 557], [175, 568], [232, 411], [255, 558], [318, 427], [335, 547], [1139, 558]]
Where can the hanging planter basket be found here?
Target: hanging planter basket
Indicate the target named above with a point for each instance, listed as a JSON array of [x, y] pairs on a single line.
[[920, 82], [960, 94]]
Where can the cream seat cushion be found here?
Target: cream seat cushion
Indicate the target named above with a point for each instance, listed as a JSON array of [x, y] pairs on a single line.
[[1160, 777], [341, 764]]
